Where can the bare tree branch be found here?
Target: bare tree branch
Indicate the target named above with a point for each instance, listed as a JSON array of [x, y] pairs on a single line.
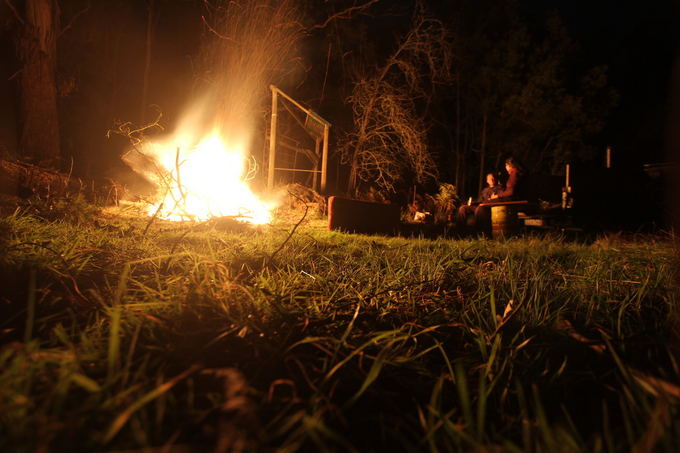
[[11, 6], [290, 235], [389, 144], [74, 19], [135, 135], [215, 32], [345, 14]]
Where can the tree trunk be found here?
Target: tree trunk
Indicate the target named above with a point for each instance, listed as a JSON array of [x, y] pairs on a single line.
[[458, 132], [482, 151], [467, 149], [150, 28], [37, 49]]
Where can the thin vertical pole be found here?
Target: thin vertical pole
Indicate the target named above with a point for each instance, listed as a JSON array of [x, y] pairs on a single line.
[[608, 157], [293, 178], [324, 159], [317, 143], [272, 140]]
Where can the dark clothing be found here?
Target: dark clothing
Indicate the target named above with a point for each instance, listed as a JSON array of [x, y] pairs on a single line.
[[511, 190], [478, 216], [482, 214], [464, 212], [485, 194]]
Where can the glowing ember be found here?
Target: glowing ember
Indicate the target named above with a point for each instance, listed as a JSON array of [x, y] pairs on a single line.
[[203, 181]]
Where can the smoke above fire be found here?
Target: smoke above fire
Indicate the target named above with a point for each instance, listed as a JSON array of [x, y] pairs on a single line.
[[203, 168]]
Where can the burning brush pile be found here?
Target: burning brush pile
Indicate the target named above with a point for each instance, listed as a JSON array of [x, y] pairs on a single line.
[[203, 169], [200, 178]]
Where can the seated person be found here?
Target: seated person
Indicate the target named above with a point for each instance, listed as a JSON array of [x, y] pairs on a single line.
[[511, 189], [482, 214], [492, 188], [420, 211]]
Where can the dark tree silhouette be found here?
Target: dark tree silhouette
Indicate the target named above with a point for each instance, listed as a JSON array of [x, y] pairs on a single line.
[[37, 49], [521, 89]]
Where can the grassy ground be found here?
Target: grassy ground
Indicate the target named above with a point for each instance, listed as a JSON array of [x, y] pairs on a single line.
[[224, 337]]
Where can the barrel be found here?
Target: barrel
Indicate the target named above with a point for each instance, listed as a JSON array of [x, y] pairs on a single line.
[[504, 221]]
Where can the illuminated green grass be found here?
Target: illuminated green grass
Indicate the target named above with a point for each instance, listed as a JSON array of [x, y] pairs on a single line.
[[216, 335]]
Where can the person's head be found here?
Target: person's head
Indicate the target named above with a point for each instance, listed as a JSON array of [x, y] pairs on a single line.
[[512, 166], [490, 179]]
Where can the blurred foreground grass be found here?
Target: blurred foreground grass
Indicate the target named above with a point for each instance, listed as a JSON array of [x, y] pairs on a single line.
[[222, 337]]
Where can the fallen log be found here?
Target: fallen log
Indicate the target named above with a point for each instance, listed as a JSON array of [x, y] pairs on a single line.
[[23, 180]]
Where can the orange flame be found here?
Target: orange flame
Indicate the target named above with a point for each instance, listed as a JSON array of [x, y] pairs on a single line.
[[202, 181]]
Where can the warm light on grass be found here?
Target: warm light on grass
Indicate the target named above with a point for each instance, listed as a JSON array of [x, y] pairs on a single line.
[[119, 338]]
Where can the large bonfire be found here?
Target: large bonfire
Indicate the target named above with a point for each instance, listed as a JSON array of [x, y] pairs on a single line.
[[202, 169], [198, 178]]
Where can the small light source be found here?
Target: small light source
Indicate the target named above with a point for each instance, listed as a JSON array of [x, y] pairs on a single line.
[[608, 162]]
